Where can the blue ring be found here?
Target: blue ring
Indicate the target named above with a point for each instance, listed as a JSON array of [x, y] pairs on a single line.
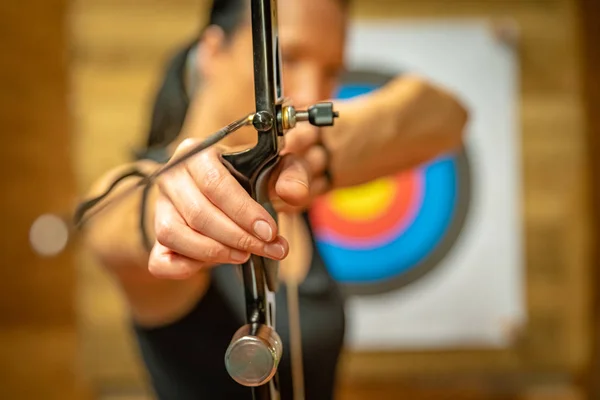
[[433, 218], [416, 242]]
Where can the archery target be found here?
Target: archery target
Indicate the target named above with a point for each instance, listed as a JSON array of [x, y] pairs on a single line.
[[382, 235], [432, 258]]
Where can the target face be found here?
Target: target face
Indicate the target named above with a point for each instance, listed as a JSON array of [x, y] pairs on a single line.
[[385, 234]]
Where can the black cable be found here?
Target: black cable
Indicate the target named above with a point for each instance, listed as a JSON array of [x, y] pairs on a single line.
[[85, 206], [81, 214]]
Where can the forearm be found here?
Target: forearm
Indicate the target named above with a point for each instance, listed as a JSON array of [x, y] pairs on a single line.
[[404, 124], [115, 240], [113, 235]]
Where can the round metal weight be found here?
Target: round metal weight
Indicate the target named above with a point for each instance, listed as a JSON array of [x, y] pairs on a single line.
[[253, 355]]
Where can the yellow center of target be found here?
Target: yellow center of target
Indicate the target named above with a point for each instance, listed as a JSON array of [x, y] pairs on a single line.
[[364, 202]]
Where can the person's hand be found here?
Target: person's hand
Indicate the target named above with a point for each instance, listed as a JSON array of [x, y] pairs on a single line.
[[203, 217], [304, 142]]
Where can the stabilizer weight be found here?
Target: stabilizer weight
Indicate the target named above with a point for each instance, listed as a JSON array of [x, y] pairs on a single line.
[[253, 355]]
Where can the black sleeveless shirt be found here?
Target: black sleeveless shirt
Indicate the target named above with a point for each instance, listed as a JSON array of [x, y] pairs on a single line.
[[185, 359]]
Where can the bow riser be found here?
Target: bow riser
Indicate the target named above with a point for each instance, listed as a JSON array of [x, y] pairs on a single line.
[[255, 350]]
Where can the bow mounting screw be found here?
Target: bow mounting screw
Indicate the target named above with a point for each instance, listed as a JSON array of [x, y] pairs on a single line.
[[262, 121]]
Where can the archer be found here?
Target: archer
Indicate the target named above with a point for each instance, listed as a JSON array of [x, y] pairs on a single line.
[[197, 218]]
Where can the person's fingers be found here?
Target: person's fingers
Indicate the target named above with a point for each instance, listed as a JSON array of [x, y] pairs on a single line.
[[202, 216], [300, 139], [319, 186], [215, 182], [317, 158], [286, 196], [282, 207], [165, 263], [292, 181], [173, 232]]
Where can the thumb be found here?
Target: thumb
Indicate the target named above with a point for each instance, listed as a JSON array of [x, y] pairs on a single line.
[[292, 181]]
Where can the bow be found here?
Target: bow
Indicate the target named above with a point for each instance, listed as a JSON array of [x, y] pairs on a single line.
[[255, 349]]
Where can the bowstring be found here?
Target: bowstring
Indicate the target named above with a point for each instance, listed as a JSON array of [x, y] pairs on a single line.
[[295, 340], [291, 231]]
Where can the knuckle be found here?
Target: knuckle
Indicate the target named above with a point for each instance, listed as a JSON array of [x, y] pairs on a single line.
[[197, 217], [164, 231], [245, 243], [157, 268], [212, 180], [242, 210], [213, 253]]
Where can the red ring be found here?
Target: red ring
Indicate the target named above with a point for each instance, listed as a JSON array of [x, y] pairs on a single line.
[[323, 216]]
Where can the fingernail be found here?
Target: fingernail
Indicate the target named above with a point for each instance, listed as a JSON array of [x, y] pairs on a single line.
[[238, 256], [275, 250], [263, 230]]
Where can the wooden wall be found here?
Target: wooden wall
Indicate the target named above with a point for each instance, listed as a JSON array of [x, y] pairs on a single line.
[[37, 317], [118, 49], [555, 346], [589, 13]]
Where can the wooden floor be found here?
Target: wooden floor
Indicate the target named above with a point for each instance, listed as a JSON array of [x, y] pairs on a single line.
[[379, 393], [39, 363]]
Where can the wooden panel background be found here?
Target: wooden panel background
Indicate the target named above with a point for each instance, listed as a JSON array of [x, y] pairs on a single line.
[[118, 50], [589, 12], [38, 332]]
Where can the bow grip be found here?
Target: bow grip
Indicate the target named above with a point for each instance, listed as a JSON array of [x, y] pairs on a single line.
[[256, 184]]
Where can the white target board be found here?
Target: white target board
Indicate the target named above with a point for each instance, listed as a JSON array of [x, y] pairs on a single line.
[[433, 258]]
